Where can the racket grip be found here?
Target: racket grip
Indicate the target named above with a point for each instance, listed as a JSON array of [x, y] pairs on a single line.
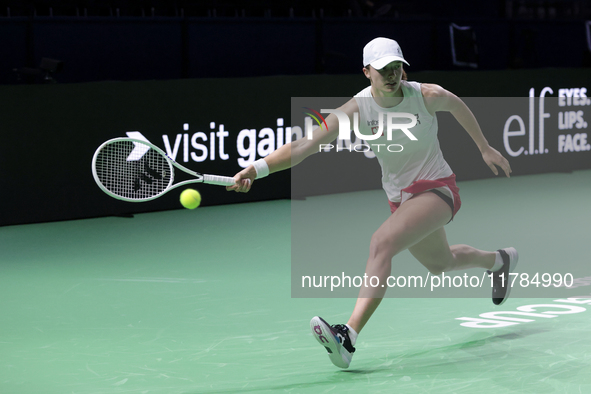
[[218, 180]]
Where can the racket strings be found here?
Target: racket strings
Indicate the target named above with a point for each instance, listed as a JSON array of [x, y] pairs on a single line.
[[132, 170]]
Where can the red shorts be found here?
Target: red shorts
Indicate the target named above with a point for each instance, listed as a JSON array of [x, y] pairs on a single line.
[[423, 186]]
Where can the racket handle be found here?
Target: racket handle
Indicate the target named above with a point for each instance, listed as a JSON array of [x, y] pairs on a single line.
[[218, 180]]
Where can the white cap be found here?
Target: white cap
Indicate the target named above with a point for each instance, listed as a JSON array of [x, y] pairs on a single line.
[[381, 51]]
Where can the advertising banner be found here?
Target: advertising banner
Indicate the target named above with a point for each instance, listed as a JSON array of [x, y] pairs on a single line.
[[49, 134], [392, 148]]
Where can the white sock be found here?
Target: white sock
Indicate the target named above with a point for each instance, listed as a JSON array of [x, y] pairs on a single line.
[[352, 335], [498, 263]]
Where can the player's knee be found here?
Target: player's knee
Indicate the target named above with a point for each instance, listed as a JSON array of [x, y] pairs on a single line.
[[383, 246]]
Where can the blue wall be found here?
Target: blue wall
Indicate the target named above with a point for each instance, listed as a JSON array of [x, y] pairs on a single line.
[[99, 49]]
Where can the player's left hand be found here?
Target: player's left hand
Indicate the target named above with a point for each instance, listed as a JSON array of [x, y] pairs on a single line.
[[493, 158]]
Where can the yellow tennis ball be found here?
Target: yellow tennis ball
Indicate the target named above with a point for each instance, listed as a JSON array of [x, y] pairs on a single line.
[[190, 198]]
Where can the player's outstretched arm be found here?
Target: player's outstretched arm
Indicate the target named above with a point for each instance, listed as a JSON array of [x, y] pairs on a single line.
[[292, 153], [438, 99]]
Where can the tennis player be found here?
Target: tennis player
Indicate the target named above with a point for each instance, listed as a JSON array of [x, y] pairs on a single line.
[[420, 186]]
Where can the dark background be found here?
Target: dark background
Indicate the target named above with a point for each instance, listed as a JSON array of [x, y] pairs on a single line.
[[147, 39]]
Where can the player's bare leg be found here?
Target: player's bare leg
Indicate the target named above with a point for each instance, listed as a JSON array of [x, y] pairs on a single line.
[[412, 222], [416, 225], [435, 254]]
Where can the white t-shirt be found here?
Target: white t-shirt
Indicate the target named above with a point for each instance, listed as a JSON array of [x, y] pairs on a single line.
[[419, 160]]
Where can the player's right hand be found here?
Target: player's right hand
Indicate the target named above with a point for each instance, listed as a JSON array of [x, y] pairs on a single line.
[[243, 180]]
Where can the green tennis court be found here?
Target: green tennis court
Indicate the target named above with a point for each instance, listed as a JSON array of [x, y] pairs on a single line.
[[200, 302]]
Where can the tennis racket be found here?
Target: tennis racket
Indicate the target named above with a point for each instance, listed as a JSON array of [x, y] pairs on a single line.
[[133, 170]]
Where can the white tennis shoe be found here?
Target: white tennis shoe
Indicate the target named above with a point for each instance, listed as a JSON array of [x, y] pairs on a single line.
[[335, 340]]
